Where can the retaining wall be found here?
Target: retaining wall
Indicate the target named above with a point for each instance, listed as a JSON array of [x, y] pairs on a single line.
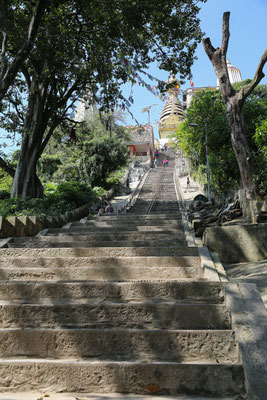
[[31, 225], [238, 243]]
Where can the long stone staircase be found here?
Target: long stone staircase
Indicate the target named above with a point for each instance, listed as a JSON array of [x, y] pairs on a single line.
[[117, 304]]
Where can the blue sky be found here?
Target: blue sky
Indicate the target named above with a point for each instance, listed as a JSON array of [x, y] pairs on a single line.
[[248, 40], [248, 29]]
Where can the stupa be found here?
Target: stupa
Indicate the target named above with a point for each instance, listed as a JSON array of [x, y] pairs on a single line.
[[233, 72], [172, 114]]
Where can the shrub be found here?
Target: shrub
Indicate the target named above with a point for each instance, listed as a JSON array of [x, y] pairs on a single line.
[[58, 199], [4, 194]]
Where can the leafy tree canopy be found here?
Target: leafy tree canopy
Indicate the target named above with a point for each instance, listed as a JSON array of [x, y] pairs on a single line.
[[89, 158], [79, 48], [207, 111]]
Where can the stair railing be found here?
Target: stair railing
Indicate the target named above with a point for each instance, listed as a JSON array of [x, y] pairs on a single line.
[[151, 204], [123, 205]]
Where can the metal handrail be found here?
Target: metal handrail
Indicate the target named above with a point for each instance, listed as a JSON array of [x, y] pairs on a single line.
[[151, 204], [124, 204], [137, 190]]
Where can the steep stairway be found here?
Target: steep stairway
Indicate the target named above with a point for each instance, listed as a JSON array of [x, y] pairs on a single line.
[[117, 304]]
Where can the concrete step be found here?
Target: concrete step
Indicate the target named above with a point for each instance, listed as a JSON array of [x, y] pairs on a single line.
[[104, 315], [111, 243], [193, 292], [207, 346], [125, 377], [101, 252]]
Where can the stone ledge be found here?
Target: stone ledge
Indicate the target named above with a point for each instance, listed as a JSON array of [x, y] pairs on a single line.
[[31, 225], [239, 243], [249, 322]]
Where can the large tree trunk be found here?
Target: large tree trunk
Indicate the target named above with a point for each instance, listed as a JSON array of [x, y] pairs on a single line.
[[240, 146], [26, 182], [234, 102]]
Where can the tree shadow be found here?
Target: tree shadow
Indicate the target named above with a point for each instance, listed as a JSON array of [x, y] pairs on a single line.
[[146, 306]]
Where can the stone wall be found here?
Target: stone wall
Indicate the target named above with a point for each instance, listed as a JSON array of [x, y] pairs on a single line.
[[31, 225], [239, 243], [251, 208]]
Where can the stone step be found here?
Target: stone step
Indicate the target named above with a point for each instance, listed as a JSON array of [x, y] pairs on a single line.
[[101, 236], [89, 232], [98, 222], [194, 292], [34, 395], [111, 243], [168, 198], [83, 229], [125, 377], [138, 210], [112, 273], [130, 315], [121, 344], [98, 261], [101, 252], [125, 216]]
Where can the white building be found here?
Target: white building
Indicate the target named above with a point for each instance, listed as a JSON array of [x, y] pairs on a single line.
[[234, 76], [85, 109]]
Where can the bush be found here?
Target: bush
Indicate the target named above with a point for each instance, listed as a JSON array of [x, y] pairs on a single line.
[[58, 199], [115, 177], [4, 194], [71, 192]]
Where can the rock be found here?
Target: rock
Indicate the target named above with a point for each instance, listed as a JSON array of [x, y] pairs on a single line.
[[197, 223], [201, 197]]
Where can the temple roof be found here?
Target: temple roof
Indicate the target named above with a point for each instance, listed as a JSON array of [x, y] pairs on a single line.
[[141, 133]]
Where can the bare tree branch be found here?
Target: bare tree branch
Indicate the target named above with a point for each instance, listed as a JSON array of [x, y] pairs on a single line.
[[6, 167], [26, 74], [71, 120], [58, 119], [218, 58], [209, 49], [225, 33], [3, 14], [24, 50], [245, 91], [48, 136], [3, 55]]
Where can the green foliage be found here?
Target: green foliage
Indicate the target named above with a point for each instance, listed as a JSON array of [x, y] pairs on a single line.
[[4, 194], [260, 139], [48, 164], [58, 199], [6, 182], [101, 156], [99, 191], [81, 46], [115, 177], [71, 192], [207, 112], [92, 141]]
